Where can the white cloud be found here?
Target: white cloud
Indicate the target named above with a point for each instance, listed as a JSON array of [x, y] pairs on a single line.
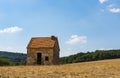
[[6, 48], [102, 1], [9, 48], [106, 49], [114, 10], [11, 30], [75, 39]]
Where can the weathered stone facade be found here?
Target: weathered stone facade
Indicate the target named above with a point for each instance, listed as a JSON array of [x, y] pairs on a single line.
[[40, 53]]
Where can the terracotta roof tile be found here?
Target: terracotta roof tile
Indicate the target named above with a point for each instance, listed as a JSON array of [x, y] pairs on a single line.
[[41, 42]]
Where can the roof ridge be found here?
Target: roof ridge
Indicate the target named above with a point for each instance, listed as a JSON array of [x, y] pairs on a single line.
[[45, 37]]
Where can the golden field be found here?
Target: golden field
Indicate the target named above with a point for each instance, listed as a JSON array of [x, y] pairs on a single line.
[[96, 69]]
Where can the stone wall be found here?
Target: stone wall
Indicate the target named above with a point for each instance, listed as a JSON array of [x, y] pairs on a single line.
[[53, 55], [56, 55]]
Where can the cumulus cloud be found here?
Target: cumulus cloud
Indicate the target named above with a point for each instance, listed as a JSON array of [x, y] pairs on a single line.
[[106, 49], [75, 39], [114, 10], [112, 6], [13, 29], [102, 1], [9, 48], [6, 48]]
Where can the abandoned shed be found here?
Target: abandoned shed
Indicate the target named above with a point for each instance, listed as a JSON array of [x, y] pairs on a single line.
[[43, 51]]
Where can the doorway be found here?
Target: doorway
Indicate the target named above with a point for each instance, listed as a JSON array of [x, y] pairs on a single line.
[[39, 58]]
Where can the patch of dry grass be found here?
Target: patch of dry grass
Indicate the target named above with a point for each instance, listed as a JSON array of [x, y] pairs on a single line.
[[97, 69]]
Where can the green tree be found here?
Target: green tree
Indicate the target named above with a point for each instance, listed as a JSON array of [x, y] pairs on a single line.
[[4, 61]]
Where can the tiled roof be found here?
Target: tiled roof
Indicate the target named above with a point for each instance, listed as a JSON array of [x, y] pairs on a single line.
[[42, 42]]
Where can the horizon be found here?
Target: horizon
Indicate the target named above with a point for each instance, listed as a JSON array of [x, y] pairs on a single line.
[[80, 25], [62, 56]]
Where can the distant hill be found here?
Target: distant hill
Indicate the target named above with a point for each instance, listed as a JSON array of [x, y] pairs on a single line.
[[13, 57]]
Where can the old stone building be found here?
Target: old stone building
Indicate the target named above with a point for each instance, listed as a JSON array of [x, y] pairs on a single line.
[[43, 51]]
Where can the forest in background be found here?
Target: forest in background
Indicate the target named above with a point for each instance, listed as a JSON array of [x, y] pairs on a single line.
[[11, 58], [90, 56]]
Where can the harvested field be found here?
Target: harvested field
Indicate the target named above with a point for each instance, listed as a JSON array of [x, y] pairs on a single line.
[[96, 69]]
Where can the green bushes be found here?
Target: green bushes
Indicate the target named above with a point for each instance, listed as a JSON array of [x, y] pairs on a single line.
[[4, 61]]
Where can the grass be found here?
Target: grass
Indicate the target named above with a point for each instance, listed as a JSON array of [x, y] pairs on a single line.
[[96, 69]]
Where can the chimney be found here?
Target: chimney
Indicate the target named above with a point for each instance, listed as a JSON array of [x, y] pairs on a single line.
[[53, 37]]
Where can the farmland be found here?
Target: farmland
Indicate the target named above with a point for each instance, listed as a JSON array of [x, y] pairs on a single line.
[[96, 69]]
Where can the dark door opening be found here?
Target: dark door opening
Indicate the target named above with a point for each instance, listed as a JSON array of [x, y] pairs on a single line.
[[39, 58], [46, 58]]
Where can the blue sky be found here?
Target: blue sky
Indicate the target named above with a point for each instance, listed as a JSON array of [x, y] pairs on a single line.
[[80, 25]]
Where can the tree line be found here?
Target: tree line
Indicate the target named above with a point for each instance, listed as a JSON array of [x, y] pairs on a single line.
[[10, 58], [90, 56]]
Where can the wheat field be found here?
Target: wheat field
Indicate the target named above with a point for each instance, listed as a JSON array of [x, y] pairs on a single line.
[[96, 69]]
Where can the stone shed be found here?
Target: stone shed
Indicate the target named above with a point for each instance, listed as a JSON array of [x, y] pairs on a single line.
[[43, 51]]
